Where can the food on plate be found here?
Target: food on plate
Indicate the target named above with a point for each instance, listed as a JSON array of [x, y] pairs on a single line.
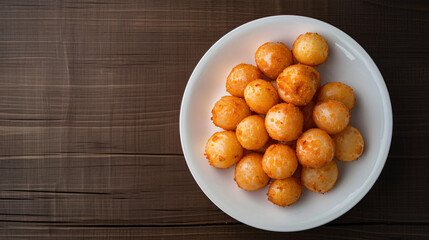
[[229, 111], [284, 192], [307, 112], [349, 144], [298, 83], [239, 77], [223, 149], [279, 161], [315, 148], [271, 58], [284, 122], [331, 116], [260, 95], [320, 180], [310, 49], [339, 92], [251, 132], [249, 174]]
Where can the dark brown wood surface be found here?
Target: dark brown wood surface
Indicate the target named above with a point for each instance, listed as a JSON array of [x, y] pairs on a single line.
[[89, 105]]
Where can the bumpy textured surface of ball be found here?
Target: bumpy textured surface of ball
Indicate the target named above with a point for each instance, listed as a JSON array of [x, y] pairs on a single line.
[[251, 132], [229, 111], [284, 122], [298, 83], [349, 144], [310, 49], [331, 116], [260, 95], [271, 58], [223, 149], [249, 174], [285, 192], [315, 148], [279, 161]]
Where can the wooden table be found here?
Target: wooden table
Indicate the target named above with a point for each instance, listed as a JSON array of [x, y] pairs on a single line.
[[89, 106]]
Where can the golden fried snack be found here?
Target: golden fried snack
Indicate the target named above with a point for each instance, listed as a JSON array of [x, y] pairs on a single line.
[[272, 58], [320, 180], [339, 92], [349, 144], [249, 174], [284, 122], [298, 83], [229, 111], [279, 161], [315, 148], [310, 49], [223, 149], [251, 132], [331, 116], [239, 77], [285, 192], [307, 112], [260, 95]]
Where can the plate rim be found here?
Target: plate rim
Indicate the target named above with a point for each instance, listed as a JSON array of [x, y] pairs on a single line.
[[385, 141]]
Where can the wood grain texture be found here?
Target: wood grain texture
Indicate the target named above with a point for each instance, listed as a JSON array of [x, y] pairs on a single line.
[[90, 93]]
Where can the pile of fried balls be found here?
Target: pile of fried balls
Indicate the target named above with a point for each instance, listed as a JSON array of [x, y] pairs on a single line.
[[281, 124]]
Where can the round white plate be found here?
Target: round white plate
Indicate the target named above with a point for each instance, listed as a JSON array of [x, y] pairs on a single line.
[[347, 63]]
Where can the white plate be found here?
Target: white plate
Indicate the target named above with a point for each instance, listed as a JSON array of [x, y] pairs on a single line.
[[372, 115]]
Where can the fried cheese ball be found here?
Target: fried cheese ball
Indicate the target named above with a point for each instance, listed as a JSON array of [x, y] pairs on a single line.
[[310, 49], [229, 111], [349, 144], [272, 58], [320, 180], [339, 92], [284, 122], [249, 174], [260, 95], [315, 148], [284, 192], [279, 161], [251, 132], [223, 149], [331, 116], [298, 83], [307, 112], [239, 77]]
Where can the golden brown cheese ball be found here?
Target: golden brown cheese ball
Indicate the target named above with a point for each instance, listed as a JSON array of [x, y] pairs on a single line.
[[320, 180], [310, 49], [284, 122], [239, 77], [249, 174], [251, 132], [298, 83], [284, 192], [279, 161], [339, 92], [349, 144], [331, 116], [260, 95], [272, 58], [315, 148], [307, 112], [229, 111], [223, 149]]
